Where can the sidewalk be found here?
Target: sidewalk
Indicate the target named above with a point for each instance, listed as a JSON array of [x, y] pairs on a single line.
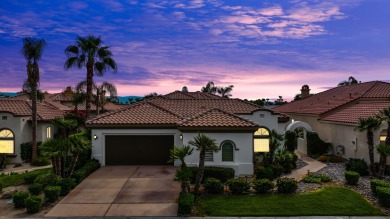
[[22, 169], [313, 166]]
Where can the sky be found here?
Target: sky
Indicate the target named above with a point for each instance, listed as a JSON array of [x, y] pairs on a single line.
[[264, 48]]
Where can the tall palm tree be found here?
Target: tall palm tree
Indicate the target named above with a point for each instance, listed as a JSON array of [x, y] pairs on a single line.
[[27, 90], [209, 88], [225, 91], [32, 50], [203, 143], [89, 52], [384, 115], [351, 81], [384, 151], [369, 125], [180, 153], [78, 98], [99, 92]]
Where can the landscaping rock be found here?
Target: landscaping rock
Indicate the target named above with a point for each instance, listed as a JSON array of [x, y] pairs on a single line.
[[8, 194]]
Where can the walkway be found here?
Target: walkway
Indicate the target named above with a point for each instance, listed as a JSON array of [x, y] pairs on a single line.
[[22, 169], [313, 166]]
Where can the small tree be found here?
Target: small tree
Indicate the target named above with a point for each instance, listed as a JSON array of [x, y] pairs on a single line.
[[275, 139], [202, 143], [180, 153]]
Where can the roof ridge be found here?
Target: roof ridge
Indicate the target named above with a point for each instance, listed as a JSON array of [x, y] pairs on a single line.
[[115, 111], [162, 108], [177, 91]]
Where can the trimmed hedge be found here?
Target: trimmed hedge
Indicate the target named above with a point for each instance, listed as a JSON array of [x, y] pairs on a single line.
[[378, 183], [262, 186], [40, 161], [357, 165], [33, 204], [86, 170], [277, 170], [383, 194], [52, 193], [315, 145], [1, 186], [351, 177], [221, 173], [48, 179], [265, 173], [186, 202], [286, 185], [213, 186], [29, 178], [66, 185], [18, 199], [316, 178], [238, 186], [35, 189]]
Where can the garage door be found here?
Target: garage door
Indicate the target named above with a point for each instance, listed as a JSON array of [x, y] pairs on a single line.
[[138, 149]]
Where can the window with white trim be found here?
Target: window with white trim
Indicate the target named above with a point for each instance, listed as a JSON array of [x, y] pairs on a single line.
[[261, 140], [7, 141]]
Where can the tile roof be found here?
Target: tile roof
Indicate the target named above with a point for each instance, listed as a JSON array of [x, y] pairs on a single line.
[[335, 101], [216, 118], [23, 108]]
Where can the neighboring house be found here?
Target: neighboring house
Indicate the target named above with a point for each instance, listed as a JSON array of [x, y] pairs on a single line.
[[15, 125], [334, 114], [144, 132]]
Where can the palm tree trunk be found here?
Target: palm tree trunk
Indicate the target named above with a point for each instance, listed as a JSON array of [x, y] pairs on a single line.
[[58, 160], [387, 142], [73, 164], [89, 88], [382, 162], [370, 142], [34, 119], [199, 175], [97, 101]]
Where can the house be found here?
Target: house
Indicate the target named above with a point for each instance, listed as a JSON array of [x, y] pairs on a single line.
[[144, 132], [15, 125], [15, 119], [334, 114]]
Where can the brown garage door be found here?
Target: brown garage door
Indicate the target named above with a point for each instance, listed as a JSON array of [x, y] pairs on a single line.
[[138, 149]]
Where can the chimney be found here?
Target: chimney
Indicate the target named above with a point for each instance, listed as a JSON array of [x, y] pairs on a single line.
[[305, 91]]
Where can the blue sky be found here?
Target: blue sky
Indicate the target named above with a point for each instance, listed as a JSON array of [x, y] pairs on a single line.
[[265, 48]]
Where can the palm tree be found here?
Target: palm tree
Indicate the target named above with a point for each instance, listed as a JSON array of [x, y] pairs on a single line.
[[89, 52], [57, 150], [32, 50], [384, 115], [369, 125], [180, 153], [384, 151], [65, 125], [351, 81], [202, 143], [27, 90], [225, 91], [99, 92], [209, 88], [78, 98], [275, 142], [78, 143]]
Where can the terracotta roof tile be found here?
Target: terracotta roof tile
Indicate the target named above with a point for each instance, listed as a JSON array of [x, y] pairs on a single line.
[[178, 95], [216, 118], [360, 109]]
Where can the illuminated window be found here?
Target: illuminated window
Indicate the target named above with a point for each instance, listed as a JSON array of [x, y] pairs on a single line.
[[382, 137], [261, 140], [48, 132], [7, 141], [227, 151]]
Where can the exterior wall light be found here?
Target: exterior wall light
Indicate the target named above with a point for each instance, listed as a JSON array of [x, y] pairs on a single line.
[[95, 137], [181, 136]]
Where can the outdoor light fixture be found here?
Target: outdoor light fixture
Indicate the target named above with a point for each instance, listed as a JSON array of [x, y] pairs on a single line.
[[181, 136], [95, 137]]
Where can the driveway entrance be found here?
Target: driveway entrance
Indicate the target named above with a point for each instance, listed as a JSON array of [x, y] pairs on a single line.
[[123, 191]]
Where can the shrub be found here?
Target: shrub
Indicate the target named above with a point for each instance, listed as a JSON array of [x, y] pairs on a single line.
[[40, 161], [52, 193], [316, 178], [263, 185], [221, 173], [238, 186], [19, 198], [265, 173], [357, 165], [277, 169], [29, 178], [91, 166], [66, 185], [315, 145], [383, 194], [213, 186], [33, 204], [80, 175], [331, 159], [325, 178], [48, 179], [351, 177], [1, 186], [25, 151], [290, 142], [286, 185], [375, 183], [186, 202], [35, 189], [287, 160]]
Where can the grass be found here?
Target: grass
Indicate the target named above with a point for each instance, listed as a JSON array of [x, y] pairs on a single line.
[[19, 178], [328, 201]]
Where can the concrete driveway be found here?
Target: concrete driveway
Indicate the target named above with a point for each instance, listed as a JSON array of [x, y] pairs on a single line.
[[123, 191]]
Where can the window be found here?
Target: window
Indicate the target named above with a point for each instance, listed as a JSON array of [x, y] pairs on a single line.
[[209, 156], [48, 132], [261, 140], [227, 151], [7, 141], [4, 118], [382, 137]]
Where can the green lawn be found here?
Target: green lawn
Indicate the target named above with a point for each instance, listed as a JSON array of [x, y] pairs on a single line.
[[19, 178], [326, 201]]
